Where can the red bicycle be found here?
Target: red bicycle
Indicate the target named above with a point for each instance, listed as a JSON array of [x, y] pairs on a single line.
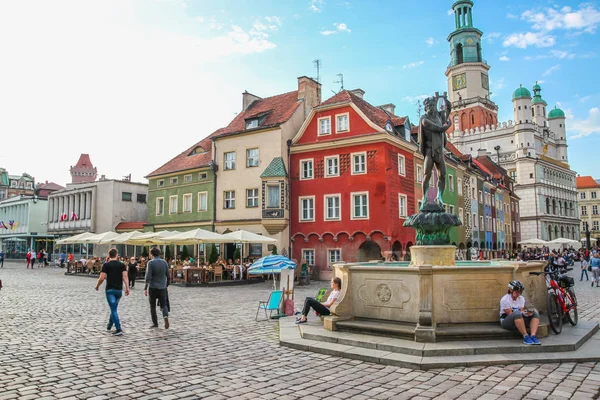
[[561, 302]]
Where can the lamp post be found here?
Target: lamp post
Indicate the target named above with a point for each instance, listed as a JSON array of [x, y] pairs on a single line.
[[587, 236]]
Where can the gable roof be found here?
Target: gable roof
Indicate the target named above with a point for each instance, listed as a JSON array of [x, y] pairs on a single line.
[[186, 160], [276, 110], [276, 169], [49, 186], [452, 149], [375, 114], [586, 182], [84, 161]]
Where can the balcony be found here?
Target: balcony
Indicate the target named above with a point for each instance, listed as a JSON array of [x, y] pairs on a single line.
[[273, 219], [467, 60], [70, 226]]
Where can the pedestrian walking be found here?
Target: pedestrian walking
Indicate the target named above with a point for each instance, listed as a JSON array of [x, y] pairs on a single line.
[[115, 273], [157, 280], [62, 259], [585, 264], [132, 271], [595, 263], [33, 258], [28, 258], [1, 258]]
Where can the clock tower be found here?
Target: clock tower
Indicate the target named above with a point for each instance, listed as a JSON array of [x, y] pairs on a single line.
[[468, 81]]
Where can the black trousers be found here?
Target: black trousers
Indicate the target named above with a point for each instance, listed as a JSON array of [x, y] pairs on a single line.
[[1, 262], [131, 281], [309, 303], [160, 295]]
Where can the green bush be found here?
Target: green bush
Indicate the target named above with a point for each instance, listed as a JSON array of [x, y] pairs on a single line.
[[213, 256], [184, 253], [274, 251], [168, 252], [236, 254], [145, 252]]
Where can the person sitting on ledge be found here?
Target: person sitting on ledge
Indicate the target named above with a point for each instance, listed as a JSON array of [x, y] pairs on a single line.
[[321, 308], [514, 315]]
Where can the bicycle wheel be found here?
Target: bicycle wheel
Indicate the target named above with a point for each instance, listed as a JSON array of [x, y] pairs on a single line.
[[555, 313], [571, 303]]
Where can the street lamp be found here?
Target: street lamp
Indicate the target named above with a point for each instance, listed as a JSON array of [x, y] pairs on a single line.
[[587, 236]]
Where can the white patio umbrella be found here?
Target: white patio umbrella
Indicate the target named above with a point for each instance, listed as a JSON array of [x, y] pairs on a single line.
[[149, 238], [75, 239], [564, 242], [242, 236], [123, 238], [195, 237], [99, 238], [533, 242]]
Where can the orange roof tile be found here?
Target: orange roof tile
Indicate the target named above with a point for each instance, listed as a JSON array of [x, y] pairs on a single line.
[[586, 182], [453, 150], [278, 109], [84, 161], [186, 160]]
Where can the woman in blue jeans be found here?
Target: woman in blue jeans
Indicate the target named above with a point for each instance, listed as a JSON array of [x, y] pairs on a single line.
[[115, 274]]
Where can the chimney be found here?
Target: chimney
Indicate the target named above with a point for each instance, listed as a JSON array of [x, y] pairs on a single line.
[[389, 108], [247, 99], [481, 152], [358, 92], [309, 90], [102, 177]]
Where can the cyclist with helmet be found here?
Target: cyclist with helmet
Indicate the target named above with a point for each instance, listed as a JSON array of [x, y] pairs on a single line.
[[514, 315]]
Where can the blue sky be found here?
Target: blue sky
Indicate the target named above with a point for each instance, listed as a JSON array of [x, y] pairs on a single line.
[[143, 80]]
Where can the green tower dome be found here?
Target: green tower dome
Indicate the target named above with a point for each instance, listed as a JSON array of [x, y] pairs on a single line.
[[537, 95], [537, 87], [556, 113], [521, 93]]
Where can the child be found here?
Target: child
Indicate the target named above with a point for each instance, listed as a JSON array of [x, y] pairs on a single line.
[[584, 269]]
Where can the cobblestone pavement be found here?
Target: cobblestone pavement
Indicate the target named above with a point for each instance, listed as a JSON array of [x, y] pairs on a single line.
[[53, 344]]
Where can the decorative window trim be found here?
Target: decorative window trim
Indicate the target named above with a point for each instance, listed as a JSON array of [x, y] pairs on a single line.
[[276, 185], [451, 184], [225, 160], [311, 250], [419, 171], [337, 158], [160, 183], [403, 196], [319, 133], [187, 178], [202, 176], [352, 204], [325, 207], [347, 115], [163, 206], [312, 169], [174, 181], [225, 199], [200, 203], [401, 172], [248, 158], [300, 208], [257, 198], [176, 205], [188, 195], [352, 155], [329, 262]]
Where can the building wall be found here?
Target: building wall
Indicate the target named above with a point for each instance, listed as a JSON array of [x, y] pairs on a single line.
[[30, 217]]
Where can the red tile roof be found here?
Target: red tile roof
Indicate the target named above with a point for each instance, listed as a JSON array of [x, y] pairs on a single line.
[[452, 149], [375, 114], [492, 166], [482, 167], [185, 161], [586, 182], [48, 186], [130, 226], [278, 109], [84, 162]]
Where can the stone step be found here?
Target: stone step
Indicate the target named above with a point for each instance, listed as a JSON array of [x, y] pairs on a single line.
[[378, 327]]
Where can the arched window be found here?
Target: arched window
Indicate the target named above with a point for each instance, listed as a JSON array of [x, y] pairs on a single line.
[[472, 120], [547, 205], [554, 207], [459, 53], [478, 52], [549, 232]]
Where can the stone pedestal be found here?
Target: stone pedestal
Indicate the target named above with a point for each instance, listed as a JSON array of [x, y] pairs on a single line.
[[436, 256]]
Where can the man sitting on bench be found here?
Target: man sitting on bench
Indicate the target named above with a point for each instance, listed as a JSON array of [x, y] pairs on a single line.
[[321, 308], [514, 315]]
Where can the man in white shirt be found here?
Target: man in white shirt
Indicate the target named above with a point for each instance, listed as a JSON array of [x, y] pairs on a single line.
[[514, 315]]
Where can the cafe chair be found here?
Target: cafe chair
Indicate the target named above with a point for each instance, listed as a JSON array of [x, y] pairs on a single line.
[[270, 305]]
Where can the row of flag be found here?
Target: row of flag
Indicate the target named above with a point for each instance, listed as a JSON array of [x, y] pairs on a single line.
[[12, 225], [65, 217]]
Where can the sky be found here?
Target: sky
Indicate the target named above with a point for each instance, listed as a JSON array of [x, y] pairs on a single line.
[[135, 82]]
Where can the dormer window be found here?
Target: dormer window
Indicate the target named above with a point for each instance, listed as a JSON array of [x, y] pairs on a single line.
[[341, 123], [252, 123], [389, 127], [197, 150]]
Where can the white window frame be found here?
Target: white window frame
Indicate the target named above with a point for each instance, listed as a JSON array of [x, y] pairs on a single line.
[[481, 197], [353, 196], [160, 183], [593, 195], [200, 194], [248, 198], [459, 184], [594, 209], [309, 259], [300, 209], [187, 178], [202, 176], [163, 206], [329, 262], [401, 165], [402, 213], [494, 225], [230, 199], [312, 169], [481, 223], [337, 158], [594, 225], [451, 209], [337, 125], [174, 181], [352, 156], [248, 158], [171, 212], [278, 197], [187, 196], [319, 131], [326, 207], [461, 214], [225, 161], [583, 210], [582, 195], [419, 173], [475, 221], [451, 182]]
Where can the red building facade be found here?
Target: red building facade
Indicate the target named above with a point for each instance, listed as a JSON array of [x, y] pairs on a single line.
[[352, 180]]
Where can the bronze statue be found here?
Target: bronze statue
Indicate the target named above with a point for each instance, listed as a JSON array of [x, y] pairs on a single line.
[[432, 142]]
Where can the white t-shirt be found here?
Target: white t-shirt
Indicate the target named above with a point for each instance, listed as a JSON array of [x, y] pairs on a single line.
[[507, 302], [333, 296]]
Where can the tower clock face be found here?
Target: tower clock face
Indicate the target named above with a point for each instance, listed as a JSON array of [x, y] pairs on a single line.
[[485, 81], [459, 81]]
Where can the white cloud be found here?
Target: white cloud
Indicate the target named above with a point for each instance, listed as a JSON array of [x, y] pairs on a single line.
[[540, 81], [586, 127], [523, 40], [413, 64], [585, 98], [585, 19], [504, 58], [430, 41], [511, 16], [316, 5], [450, 12], [200, 19], [339, 27], [498, 84], [414, 99], [491, 36], [560, 54], [213, 24], [551, 70]]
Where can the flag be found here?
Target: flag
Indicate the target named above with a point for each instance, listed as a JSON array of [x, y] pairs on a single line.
[[15, 226], [63, 217], [74, 216], [3, 225]]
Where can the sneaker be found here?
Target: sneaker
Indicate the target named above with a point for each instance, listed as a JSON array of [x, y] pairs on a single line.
[[118, 332], [527, 340], [153, 326], [166, 322], [301, 322], [535, 340]]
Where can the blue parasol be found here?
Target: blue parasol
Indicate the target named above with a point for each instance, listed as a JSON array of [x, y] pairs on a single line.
[[271, 264]]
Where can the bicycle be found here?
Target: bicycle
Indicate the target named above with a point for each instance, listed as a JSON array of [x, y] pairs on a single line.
[[561, 302]]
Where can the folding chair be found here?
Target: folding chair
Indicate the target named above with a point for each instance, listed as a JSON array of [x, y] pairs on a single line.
[[270, 305]]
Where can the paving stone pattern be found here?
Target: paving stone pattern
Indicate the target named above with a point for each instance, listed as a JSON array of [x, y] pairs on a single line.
[[53, 345]]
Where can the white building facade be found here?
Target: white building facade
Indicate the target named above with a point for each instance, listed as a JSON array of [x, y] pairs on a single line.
[[532, 147], [23, 225]]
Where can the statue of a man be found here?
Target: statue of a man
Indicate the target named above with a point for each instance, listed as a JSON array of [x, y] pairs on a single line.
[[432, 142]]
